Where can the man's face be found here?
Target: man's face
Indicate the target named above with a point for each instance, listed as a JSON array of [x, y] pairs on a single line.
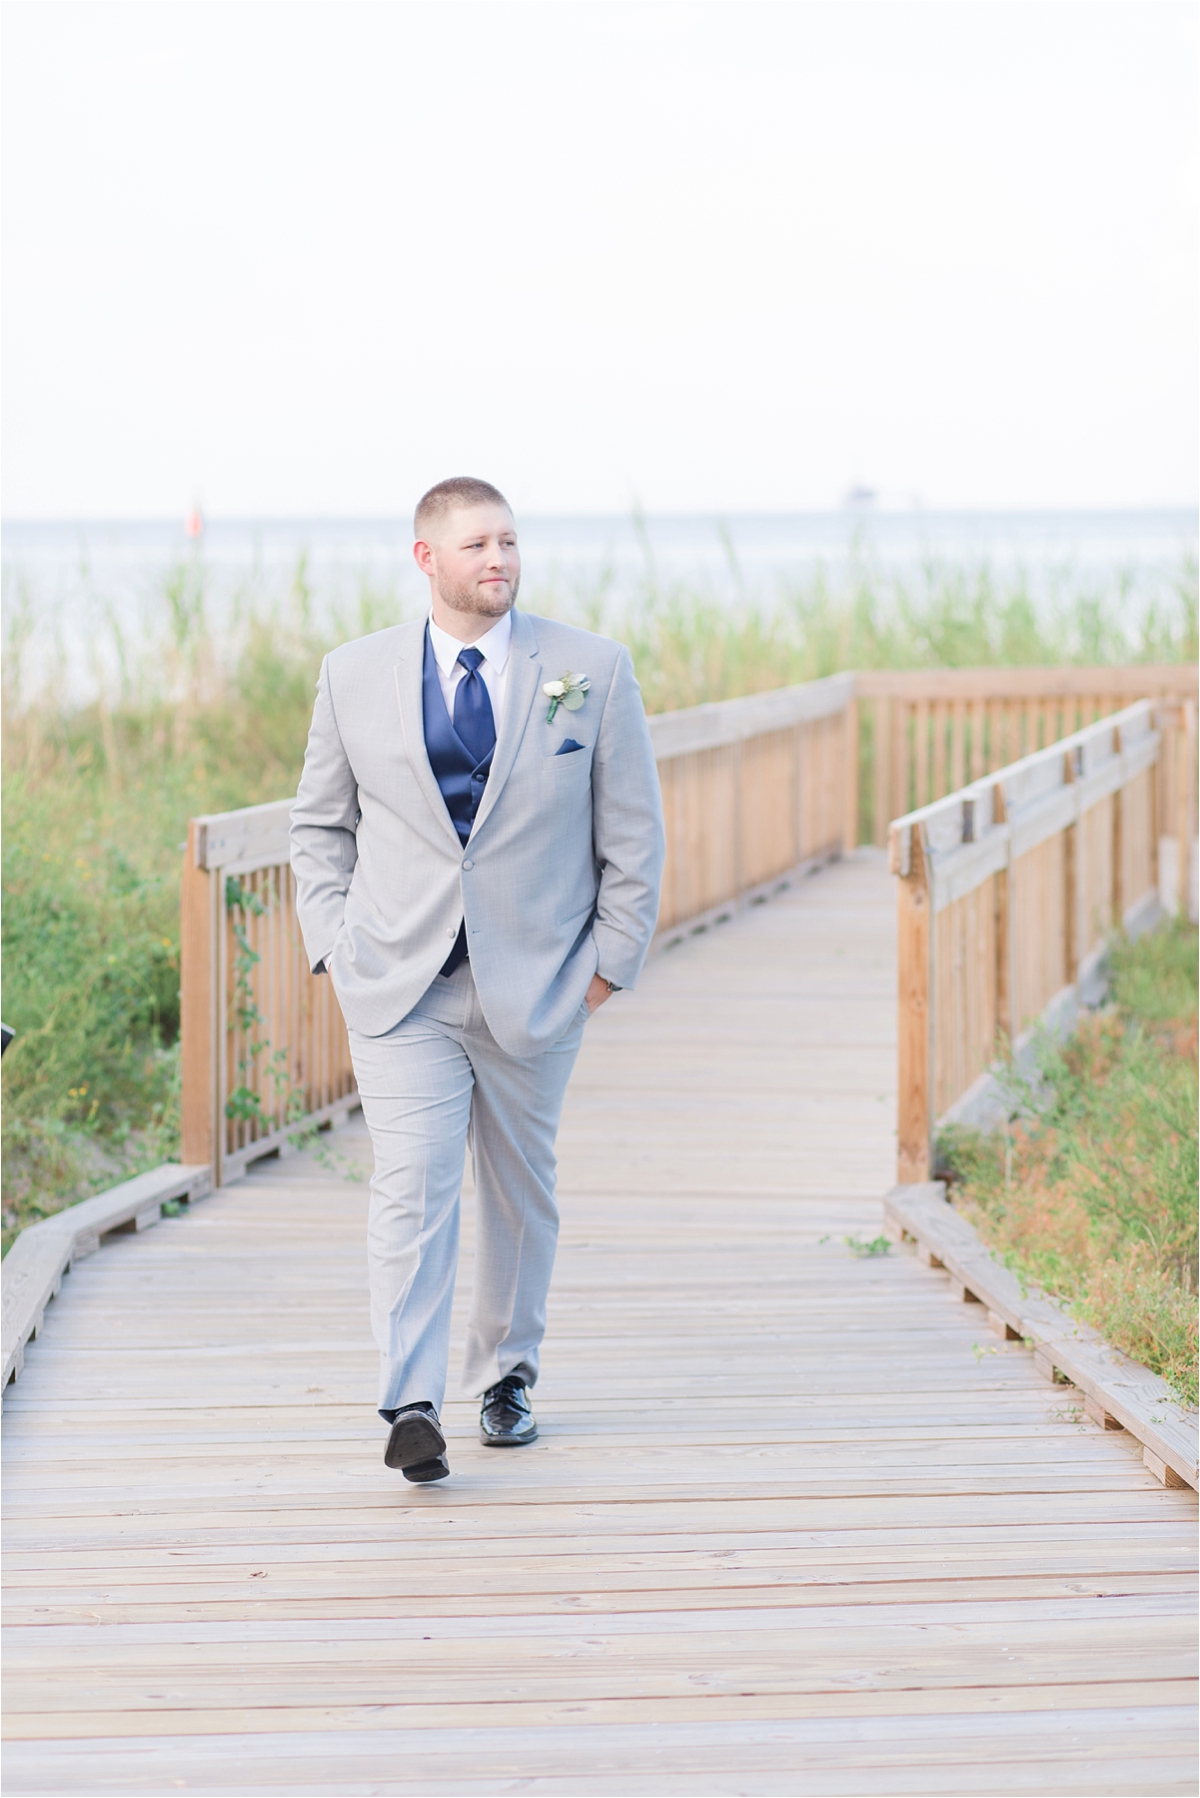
[[473, 560]]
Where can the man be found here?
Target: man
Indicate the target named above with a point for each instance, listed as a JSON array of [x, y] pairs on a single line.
[[477, 843]]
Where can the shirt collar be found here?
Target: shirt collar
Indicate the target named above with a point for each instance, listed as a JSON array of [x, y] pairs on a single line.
[[493, 645]]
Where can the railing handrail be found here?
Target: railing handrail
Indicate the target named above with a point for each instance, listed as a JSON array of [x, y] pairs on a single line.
[[968, 816], [254, 836], [1037, 681], [723, 721]]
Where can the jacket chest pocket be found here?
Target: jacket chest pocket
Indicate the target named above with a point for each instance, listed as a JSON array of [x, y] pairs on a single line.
[[575, 765]]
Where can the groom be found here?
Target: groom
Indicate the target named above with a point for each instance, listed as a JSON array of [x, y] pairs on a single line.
[[477, 843]]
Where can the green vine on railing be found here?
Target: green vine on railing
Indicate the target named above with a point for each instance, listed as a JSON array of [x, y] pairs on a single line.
[[244, 1103]]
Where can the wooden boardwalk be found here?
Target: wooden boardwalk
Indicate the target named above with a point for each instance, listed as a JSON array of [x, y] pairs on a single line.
[[796, 1524]]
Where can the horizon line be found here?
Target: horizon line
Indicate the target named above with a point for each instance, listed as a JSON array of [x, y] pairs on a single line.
[[847, 513]]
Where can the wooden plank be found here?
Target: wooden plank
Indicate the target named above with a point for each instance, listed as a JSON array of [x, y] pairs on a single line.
[[358, 1600], [344, 1722], [730, 1724], [314, 1592], [992, 1550], [1068, 1618]]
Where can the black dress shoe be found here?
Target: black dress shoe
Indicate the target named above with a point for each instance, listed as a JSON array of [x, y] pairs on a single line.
[[416, 1445], [506, 1420]]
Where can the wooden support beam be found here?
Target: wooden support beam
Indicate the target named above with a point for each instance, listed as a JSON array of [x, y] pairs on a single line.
[[1003, 972], [849, 777], [1099, 1413], [1070, 887], [1162, 1470], [1185, 802], [921, 754], [881, 739], [1118, 860], [916, 977], [198, 993]]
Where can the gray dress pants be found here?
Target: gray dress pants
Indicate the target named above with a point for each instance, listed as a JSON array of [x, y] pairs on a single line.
[[434, 1084]]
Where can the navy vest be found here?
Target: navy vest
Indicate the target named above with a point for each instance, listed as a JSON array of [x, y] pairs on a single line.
[[455, 769]]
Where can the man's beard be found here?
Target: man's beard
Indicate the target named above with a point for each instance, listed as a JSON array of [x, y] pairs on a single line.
[[468, 598]]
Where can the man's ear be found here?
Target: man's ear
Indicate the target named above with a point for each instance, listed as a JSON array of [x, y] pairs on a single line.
[[423, 556]]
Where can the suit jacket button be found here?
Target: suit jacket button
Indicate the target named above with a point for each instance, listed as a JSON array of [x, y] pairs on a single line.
[[450, 930], [468, 866]]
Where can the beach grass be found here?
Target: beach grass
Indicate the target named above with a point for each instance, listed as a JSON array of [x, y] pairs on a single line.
[[196, 719]]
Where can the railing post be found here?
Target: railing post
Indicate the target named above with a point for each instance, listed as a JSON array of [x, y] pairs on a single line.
[[738, 789], [915, 964], [900, 800], [850, 776], [881, 739], [1185, 808], [198, 1003], [1005, 973], [1169, 815], [1070, 885], [1118, 849]]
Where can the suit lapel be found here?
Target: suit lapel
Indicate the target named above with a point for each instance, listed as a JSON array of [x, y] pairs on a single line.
[[408, 672], [524, 679]]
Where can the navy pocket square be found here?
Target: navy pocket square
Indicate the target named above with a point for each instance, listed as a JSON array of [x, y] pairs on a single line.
[[568, 745]]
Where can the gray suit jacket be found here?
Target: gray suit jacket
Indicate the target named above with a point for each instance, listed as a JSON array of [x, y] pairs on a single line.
[[560, 877]]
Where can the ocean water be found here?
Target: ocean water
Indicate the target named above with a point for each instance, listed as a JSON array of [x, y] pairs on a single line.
[[70, 588]]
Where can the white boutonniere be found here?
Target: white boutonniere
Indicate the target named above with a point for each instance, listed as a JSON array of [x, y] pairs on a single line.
[[568, 691]]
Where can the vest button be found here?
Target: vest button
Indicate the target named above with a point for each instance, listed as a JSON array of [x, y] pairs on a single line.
[[468, 866]]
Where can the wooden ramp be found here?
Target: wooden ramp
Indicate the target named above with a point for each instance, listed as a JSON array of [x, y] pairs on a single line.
[[797, 1523]]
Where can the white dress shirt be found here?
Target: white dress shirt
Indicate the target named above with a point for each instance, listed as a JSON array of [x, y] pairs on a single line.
[[493, 646]]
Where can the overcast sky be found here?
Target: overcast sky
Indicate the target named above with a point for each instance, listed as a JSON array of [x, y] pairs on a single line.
[[307, 258]]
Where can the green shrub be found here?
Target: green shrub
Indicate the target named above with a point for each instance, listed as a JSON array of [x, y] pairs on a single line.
[[1090, 1193]]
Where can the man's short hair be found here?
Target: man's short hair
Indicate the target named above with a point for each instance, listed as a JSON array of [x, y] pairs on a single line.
[[447, 496]]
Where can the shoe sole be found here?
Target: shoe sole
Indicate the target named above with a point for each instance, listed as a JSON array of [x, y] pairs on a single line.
[[415, 1439], [425, 1472], [508, 1441]]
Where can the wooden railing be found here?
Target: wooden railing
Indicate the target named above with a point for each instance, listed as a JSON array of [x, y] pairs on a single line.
[[265, 1052], [925, 733], [1008, 892], [753, 789]]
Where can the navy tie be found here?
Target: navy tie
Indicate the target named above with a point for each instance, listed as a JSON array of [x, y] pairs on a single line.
[[473, 719]]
